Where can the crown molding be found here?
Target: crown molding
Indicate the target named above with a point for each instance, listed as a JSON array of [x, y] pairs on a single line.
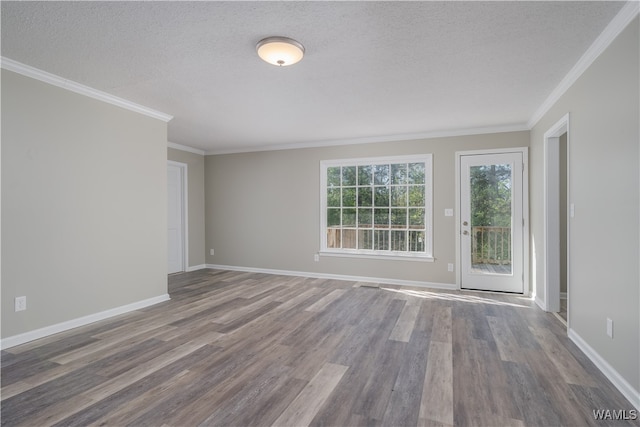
[[628, 12], [370, 140], [185, 148], [35, 73]]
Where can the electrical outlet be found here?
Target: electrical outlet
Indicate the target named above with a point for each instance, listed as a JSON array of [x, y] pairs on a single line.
[[450, 267], [316, 257], [610, 327], [448, 212], [211, 252], [21, 303]]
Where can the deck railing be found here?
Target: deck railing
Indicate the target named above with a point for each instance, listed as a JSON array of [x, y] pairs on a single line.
[[491, 245]]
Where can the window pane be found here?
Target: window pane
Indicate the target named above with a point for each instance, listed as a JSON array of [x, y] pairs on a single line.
[[333, 217], [349, 196], [416, 241], [416, 218], [378, 206], [333, 176], [349, 175], [381, 217], [365, 218], [365, 196], [398, 218], [398, 173], [365, 175], [381, 240], [381, 174], [416, 195], [365, 239], [348, 217], [333, 238], [349, 239], [399, 196], [416, 173], [382, 196], [333, 197], [398, 240]]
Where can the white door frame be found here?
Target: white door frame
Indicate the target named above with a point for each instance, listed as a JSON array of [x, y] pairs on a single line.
[[551, 242], [185, 211], [525, 210]]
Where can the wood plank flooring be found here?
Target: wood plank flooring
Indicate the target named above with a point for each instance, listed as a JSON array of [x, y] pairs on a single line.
[[249, 349]]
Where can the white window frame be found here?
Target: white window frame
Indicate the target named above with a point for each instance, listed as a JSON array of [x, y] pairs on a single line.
[[426, 256]]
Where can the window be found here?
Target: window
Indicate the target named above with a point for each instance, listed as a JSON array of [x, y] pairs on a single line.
[[377, 207]]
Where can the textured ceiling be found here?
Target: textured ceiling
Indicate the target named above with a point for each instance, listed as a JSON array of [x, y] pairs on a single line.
[[371, 69]]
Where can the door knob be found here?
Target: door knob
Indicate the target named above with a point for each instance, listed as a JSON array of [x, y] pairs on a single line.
[[465, 223], [465, 232]]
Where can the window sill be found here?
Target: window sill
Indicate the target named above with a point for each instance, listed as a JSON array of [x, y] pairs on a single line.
[[420, 258]]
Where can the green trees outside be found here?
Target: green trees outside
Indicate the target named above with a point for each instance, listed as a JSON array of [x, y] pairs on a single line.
[[383, 203], [491, 196], [491, 213]]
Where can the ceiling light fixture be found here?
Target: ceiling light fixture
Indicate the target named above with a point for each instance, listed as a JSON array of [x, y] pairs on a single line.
[[280, 51]]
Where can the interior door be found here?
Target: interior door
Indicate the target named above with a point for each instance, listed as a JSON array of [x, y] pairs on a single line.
[[491, 222], [175, 219]]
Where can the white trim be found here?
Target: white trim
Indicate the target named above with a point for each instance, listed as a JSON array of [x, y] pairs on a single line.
[[80, 321], [612, 30], [373, 139], [399, 257], [614, 376], [184, 170], [196, 267], [526, 231], [387, 281], [52, 79], [185, 148]]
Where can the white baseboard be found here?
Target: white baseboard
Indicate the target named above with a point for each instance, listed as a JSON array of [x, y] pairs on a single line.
[[81, 321], [541, 304], [618, 381], [196, 267], [388, 281]]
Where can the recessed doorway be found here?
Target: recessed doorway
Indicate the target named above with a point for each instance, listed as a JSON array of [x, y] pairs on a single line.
[[557, 213]]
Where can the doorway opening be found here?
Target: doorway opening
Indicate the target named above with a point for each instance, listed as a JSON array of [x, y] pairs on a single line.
[[557, 212], [176, 217]]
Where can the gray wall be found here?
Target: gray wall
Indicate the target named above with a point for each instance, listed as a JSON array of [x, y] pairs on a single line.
[[262, 209], [603, 184], [195, 178], [83, 211]]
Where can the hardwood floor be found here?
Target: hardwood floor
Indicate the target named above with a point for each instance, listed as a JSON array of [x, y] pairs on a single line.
[[248, 349]]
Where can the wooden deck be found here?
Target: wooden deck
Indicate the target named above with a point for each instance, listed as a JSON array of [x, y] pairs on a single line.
[[491, 268], [247, 349]]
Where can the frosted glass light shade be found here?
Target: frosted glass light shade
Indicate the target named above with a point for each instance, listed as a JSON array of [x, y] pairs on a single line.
[[280, 51]]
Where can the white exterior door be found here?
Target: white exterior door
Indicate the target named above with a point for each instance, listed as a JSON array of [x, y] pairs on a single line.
[[492, 222], [175, 218]]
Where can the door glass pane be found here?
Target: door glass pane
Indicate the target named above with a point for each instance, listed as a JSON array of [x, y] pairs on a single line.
[[491, 188]]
